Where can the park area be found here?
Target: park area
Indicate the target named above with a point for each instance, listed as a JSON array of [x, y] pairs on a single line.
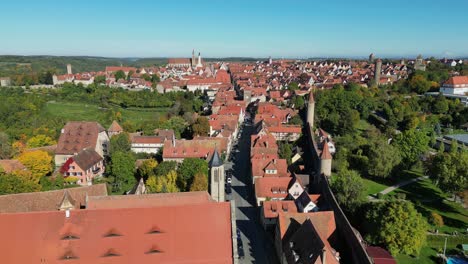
[[427, 199]]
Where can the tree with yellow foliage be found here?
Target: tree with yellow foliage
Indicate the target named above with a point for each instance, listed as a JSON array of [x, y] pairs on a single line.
[[40, 141], [200, 183], [146, 169], [38, 162], [163, 184]]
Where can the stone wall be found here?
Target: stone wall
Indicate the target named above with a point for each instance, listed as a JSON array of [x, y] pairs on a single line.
[[319, 184]]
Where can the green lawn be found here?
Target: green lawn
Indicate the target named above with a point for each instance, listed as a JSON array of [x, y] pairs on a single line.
[[434, 245], [88, 112], [373, 187], [429, 198]]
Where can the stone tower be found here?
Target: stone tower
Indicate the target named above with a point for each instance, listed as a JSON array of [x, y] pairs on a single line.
[[311, 109], [199, 64], [325, 160], [217, 177], [193, 58], [69, 69], [419, 64], [371, 58], [377, 70]]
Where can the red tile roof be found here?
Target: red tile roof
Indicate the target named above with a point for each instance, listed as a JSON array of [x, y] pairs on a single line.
[[197, 233], [10, 166], [457, 80], [76, 136], [259, 167], [48, 201], [380, 255], [200, 147], [323, 222], [115, 127], [273, 187], [271, 209], [147, 140]]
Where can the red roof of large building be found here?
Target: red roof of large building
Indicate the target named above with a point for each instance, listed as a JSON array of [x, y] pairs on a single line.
[[457, 80], [195, 233], [76, 136]]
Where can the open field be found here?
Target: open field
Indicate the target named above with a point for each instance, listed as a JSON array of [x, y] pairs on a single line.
[[87, 112]]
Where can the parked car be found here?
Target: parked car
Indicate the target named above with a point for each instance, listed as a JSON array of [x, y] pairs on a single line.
[[229, 179]]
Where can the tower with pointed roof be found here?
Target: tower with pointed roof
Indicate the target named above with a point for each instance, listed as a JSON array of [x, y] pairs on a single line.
[[193, 58], [325, 160], [217, 177], [311, 109]]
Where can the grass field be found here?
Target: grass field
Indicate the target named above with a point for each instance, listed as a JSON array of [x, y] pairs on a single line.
[[373, 187], [434, 245], [429, 198], [87, 112]]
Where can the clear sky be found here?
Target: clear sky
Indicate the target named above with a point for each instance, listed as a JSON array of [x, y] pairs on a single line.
[[221, 28]]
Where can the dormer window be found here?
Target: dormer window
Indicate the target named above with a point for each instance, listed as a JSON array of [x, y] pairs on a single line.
[[70, 237], [153, 250], [112, 233], [111, 253], [69, 255]]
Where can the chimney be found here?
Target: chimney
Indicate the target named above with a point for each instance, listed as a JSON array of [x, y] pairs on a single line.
[[324, 254]]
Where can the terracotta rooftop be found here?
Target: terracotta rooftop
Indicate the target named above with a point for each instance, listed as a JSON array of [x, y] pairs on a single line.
[[380, 255], [76, 136], [48, 201], [148, 200], [10, 166], [457, 80], [86, 159], [115, 127], [197, 233]]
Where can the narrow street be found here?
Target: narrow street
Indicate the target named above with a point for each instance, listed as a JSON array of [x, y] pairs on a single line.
[[256, 243]]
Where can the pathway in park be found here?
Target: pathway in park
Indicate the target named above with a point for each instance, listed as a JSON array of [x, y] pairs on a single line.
[[396, 186]]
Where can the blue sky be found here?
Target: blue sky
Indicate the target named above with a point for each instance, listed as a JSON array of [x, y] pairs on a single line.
[[220, 28]]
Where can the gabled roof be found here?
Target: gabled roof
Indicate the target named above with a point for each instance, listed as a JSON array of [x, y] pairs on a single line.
[[76, 136], [115, 127], [457, 80], [87, 158], [48, 201], [306, 243], [10, 166]]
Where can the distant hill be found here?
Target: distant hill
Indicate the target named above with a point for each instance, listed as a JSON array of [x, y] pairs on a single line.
[[13, 64]]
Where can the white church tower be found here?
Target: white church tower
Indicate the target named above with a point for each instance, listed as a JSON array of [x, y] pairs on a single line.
[[217, 178]]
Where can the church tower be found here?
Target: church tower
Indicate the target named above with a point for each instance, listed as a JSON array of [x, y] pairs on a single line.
[[311, 110], [217, 177], [199, 64], [193, 58]]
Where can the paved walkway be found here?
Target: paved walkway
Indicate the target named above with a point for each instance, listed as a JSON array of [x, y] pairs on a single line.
[[396, 186], [401, 184]]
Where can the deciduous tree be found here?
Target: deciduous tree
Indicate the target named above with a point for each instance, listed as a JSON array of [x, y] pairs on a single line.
[[38, 162], [188, 169], [397, 225], [411, 144], [40, 141], [201, 127], [120, 143], [147, 168], [119, 75], [123, 170], [200, 183], [349, 189]]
